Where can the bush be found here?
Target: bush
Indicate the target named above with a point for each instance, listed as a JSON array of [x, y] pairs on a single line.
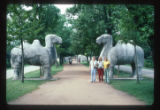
[[148, 63]]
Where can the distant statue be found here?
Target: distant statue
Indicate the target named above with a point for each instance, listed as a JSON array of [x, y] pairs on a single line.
[[36, 54], [121, 54], [82, 58], [70, 60]]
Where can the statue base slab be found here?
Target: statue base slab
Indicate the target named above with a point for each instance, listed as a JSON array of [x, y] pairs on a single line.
[[52, 79], [124, 78]]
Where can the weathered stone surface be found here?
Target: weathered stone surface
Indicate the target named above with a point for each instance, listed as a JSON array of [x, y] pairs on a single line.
[[36, 54], [120, 54]]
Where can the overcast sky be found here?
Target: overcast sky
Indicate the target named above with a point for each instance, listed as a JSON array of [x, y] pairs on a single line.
[[63, 7]]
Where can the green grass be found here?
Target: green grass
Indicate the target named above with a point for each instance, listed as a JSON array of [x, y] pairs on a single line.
[[85, 63], [143, 91], [147, 64], [15, 88]]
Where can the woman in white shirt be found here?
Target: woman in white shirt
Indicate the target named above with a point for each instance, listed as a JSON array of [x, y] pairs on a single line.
[[93, 65], [100, 69]]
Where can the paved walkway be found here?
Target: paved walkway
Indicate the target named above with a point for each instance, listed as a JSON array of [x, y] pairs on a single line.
[[145, 72], [74, 88], [27, 69]]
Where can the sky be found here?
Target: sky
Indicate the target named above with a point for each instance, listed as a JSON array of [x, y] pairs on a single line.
[[62, 7]]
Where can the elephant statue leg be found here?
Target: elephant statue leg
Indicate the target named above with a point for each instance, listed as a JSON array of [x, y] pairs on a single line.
[[133, 74], [140, 72], [17, 71], [41, 71], [111, 70], [15, 75], [47, 72]]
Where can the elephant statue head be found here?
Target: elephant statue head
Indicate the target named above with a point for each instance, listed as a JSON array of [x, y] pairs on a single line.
[[104, 39], [53, 39]]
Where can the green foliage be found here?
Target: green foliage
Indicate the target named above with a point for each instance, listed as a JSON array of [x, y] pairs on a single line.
[[148, 63], [134, 22], [32, 24], [36, 23], [85, 63], [86, 28], [15, 88]]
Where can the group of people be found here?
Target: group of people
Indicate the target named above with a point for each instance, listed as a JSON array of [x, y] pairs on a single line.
[[102, 67]]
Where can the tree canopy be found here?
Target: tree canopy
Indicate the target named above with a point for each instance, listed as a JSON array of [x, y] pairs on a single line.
[[81, 25]]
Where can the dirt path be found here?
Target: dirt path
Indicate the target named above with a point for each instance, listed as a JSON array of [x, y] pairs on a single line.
[[74, 88]]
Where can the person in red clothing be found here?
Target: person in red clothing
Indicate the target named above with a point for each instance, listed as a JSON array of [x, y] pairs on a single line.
[[100, 69]]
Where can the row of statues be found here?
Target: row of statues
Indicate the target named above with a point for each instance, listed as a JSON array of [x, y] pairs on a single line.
[[36, 54]]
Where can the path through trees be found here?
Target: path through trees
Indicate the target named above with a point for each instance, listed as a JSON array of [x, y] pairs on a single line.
[[74, 88]]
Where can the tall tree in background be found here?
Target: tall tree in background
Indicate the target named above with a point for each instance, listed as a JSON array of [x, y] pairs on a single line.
[[134, 19], [90, 21], [87, 22], [40, 20]]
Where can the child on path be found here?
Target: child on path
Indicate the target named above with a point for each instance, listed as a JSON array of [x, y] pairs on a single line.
[[93, 65], [106, 64], [100, 69]]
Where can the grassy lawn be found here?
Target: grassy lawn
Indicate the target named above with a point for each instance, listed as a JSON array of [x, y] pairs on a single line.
[[143, 91], [85, 63], [15, 88]]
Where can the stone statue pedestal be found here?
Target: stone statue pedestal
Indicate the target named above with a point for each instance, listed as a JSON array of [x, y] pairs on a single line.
[[52, 79], [124, 78]]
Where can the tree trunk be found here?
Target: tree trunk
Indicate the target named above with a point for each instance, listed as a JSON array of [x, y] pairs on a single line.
[[87, 59], [136, 63], [118, 69], [22, 68], [41, 71], [61, 59]]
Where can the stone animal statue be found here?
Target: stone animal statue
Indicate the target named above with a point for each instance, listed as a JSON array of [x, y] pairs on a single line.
[[120, 54], [36, 54], [82, 58]]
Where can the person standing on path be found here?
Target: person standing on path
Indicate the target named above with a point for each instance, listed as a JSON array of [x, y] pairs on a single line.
[[106, 64], [100, 69], [93, 66]]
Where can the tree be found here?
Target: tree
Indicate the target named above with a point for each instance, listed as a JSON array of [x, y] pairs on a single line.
[[30, 24], [132, 23]]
